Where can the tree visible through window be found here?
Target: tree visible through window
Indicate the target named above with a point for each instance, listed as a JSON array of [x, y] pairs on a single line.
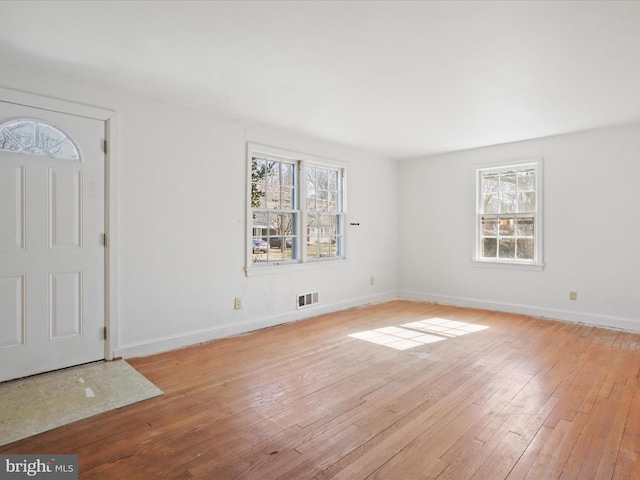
[[508, 214]]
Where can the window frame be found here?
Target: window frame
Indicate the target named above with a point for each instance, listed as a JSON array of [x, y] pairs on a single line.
[[537, 262], [300, 211], [326, 213]]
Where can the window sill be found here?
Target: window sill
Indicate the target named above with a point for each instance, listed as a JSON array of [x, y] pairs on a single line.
[[260, 270], [536, 267]]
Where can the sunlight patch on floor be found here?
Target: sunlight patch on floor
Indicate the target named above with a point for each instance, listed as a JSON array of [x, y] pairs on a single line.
[[414, 334]]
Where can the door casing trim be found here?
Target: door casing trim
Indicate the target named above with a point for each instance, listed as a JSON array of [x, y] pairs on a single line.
[[111, 124]]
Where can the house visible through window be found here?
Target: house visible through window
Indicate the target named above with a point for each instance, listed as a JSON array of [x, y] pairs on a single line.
[[297, 208], [508, 214]]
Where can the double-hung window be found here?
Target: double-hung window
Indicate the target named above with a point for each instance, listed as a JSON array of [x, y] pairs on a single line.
[[296, 212], [323, 224], [508, 226]]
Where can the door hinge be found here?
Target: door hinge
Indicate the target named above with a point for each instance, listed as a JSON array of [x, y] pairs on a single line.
[[104, 239], [104, 333], [104, 146]]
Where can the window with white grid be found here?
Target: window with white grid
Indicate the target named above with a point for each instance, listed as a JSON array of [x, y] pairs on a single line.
[[296, 212], [509, 214]]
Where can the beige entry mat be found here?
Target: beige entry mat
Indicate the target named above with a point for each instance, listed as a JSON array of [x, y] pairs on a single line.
[[42, 402]]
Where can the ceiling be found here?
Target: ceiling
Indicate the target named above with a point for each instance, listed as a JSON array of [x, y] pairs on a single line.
[[400, 79]]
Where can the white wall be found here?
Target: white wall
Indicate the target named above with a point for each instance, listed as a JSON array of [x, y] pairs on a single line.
[[591, 230], [181, 221], [181, 194]]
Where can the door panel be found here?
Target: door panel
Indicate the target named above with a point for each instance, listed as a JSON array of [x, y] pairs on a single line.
[[12, 301], [65, 201], [12, 221], [65, 304], [51, 252]]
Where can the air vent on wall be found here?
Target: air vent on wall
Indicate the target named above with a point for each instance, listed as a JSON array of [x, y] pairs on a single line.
[[307, 299]]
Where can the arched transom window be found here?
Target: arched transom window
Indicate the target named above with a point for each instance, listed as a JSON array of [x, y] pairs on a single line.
[[37, 138]]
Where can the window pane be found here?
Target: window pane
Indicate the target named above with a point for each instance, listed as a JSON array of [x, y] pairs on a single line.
[[259, 248], [525, 248], [312, 235], [325, 223], [507, 184], [507, 248], [280, 224], [7, 143], [322, 179], [258, 195], [311, 178], [273, 172], [273, 196], [311, 202], [287, 253], [507, 202], [526, 202], [489, 247], [260, 224], [49, 137], [524, 227], [324, 250], [274, 224], [311, 188], [66, 150], [490, 204], [327, 233], [333, 247], [258, 258], [490, 183], [506, 226], [288, 174], [258, 190], [322, 201], [333, 180], [527, 181], [275, 255], [333, 201], [287, 198], [312, 220], [24, 132], [288, 224], [489, 227]]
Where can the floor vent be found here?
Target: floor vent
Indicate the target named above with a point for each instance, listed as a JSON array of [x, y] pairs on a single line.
[[307, 299]]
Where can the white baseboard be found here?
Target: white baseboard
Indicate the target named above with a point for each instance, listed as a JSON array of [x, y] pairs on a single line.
[[163, 344], [630, 324]]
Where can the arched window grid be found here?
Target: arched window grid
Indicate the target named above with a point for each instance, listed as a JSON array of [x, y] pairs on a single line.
[[37, 137]]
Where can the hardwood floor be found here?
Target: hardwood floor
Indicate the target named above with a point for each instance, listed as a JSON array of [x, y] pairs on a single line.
[[525, 398]]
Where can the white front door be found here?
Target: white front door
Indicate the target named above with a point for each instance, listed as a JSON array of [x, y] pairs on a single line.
[[52, 286]]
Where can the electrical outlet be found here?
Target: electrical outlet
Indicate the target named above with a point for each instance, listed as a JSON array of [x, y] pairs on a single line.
[[573, 295], [372, 281], [237, 304]]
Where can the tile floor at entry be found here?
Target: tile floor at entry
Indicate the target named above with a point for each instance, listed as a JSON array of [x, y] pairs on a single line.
[[42, 402]]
